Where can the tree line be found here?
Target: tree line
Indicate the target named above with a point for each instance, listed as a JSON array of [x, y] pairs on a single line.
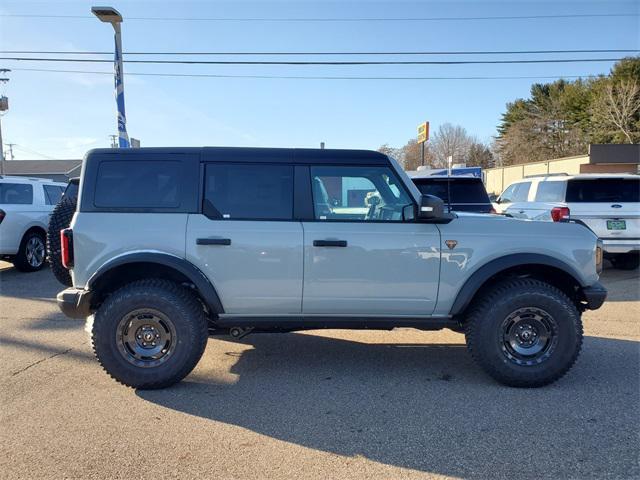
[[559, 119]]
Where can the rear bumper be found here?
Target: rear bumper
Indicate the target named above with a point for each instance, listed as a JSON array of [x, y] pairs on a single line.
[[594, 295], [620, 245], [75, 302]]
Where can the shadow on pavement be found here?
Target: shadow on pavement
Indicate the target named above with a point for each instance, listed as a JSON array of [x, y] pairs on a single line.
[[427, 407], [40, 285], [622, 285]]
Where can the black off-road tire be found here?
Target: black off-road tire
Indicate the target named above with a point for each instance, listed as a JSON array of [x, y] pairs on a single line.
[[24, 259], [626, 261], [485, 332], [178, 305], [60, 219]]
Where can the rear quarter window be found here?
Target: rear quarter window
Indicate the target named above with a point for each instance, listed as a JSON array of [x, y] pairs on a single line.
[[52, 194], [604, 190], [550, 192], [138, 184], [16, 194]]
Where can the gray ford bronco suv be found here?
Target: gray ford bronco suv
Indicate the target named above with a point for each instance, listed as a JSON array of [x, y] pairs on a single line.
[[171, 245]]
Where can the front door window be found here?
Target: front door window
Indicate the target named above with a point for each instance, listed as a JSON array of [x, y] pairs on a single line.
[[363, 193]]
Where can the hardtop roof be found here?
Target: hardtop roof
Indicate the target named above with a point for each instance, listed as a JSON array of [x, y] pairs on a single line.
[[253, 154]]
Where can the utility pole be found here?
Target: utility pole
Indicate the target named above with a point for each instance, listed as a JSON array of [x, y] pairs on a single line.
[[114, 141], [10, 145], [4, 106]]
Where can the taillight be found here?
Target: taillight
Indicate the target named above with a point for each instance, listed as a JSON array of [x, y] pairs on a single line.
[[559, 213], [66, 247], [2, 215]]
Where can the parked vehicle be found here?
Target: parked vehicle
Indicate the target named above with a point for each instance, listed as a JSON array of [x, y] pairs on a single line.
[[25, 205], [607, 204], [468, 194], [170, 245]]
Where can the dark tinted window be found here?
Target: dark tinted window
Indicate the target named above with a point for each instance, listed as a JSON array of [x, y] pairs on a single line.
[[52, 194], [249, 191], [16, 193], [462, 191], [604, 190], [550, 192], [72, 190], [133, 184]]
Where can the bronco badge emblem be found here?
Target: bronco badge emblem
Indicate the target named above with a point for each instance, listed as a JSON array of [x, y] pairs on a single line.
[[451, 244]]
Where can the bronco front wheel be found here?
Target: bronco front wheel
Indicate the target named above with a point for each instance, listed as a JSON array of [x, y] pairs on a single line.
[[149, 334], [524, 333]]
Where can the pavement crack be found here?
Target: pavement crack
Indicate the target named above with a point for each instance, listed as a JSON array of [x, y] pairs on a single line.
[[17, 372]]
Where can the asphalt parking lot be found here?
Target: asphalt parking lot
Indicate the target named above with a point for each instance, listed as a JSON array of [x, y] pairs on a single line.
[[332, 404]]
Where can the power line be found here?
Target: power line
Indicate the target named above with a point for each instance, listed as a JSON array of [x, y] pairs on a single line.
[[472, 52], [28, 150], [308, 62], [296, 77], [337, 19]]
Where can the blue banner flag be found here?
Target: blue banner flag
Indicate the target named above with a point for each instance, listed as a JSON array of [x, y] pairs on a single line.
[[123, 137]]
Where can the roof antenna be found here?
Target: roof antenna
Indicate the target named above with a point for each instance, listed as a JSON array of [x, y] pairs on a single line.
[[449, 162]]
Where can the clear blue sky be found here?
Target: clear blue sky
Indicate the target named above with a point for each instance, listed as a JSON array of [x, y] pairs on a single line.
[[61, 115]]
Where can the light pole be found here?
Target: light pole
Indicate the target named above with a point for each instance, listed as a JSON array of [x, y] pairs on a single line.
[[111, 15]]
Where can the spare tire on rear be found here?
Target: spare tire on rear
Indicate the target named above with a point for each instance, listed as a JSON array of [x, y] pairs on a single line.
[[60, 219]]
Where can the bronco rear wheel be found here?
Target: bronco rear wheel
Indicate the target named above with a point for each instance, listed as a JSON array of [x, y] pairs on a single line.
[[524, 333], [149, 334]]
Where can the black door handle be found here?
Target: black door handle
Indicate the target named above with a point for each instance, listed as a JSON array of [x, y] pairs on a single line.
[[329, 243], [213, 241]]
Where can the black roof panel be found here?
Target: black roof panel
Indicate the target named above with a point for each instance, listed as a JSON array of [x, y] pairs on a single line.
[[255, 155]]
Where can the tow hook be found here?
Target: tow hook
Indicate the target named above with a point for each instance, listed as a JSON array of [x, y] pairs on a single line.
[[240, 332]]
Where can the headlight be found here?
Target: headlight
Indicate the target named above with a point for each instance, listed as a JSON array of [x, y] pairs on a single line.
[[599, 256]]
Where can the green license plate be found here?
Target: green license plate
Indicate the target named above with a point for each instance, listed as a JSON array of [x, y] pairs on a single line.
[[616, 225]]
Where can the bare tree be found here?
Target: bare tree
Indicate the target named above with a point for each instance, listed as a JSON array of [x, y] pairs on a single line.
[[616, 106], [450, 140]]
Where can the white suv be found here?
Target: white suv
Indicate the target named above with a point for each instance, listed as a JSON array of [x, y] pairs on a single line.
[[608, 204], [25, 206]]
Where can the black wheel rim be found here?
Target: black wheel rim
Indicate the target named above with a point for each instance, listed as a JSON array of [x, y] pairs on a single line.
[[146, 337], [529, 336]]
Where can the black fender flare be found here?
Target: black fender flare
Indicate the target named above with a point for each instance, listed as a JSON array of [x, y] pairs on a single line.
[[488, 270], [181, 265]]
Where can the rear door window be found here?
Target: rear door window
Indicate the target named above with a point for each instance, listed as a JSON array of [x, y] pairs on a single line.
[[518, 192], [550, 191], [16, 193], [248, 191], [603, 190], [138, 184]]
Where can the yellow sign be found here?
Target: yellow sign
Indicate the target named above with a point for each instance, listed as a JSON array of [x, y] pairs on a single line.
[[423, 132]]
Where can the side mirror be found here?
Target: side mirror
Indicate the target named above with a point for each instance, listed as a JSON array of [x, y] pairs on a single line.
[[430, 207]]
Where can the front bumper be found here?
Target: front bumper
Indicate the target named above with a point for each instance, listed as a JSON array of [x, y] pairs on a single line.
[[594, 295], [620, 245], [75, 302]]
